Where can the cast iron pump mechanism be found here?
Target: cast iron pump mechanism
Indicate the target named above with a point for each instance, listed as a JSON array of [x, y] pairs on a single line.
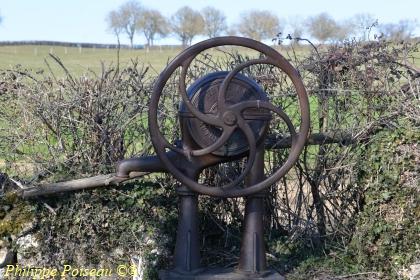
[[224, 116]]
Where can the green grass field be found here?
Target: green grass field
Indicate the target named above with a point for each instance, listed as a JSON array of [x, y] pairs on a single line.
[[79, 61], [83, 60]]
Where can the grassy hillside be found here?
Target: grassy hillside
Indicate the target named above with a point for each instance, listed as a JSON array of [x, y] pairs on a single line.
[[81, 60]]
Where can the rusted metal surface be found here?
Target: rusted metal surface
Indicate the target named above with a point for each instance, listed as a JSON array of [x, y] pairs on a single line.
[[228, 118], [224, 116], [204, 96], [272, 142]]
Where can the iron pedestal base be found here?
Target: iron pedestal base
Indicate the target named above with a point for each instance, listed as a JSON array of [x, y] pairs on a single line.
[[219, 274]]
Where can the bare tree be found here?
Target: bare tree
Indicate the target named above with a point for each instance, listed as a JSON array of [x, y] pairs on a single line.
[[186, 24], [259, 25], [115, 24], [363, 24], [214, 21], [344, 30], [130, 13], [322, 27], [152, 23], [297, 28], [402, 30]]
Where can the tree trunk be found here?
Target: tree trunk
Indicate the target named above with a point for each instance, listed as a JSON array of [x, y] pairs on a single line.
[[131, 40], [184, 42]]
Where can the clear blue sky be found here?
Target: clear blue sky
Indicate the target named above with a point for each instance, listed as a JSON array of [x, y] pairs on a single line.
[[83, 20]]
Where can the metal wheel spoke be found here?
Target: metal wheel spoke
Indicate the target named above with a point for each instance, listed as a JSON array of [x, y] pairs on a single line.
[[208, 119], [251, 156], [258, 104], [221, 99]]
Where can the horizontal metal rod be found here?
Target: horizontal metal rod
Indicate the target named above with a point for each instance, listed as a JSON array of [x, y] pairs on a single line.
[[278, 142]]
